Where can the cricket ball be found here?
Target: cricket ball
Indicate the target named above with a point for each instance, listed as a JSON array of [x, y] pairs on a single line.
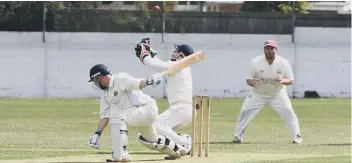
[[156, 8]]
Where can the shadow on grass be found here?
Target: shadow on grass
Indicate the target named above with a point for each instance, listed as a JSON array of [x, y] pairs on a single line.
[[145, 153], [230, 142], [148, 160], [73, 162], [337, 144], [135, 153], [153, 160], [103, 153], [328, 159]]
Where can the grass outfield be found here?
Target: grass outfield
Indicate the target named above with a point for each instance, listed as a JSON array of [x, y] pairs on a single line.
[[57, 130]]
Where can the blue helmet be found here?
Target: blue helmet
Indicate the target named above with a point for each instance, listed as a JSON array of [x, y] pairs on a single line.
[[185, 49], [96, 71]]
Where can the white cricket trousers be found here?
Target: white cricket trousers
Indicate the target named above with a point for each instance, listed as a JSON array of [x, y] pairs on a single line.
[[178, 115], [280, 103], [143, 118]]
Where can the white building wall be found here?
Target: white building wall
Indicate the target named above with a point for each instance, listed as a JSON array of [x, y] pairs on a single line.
[[321, 59]]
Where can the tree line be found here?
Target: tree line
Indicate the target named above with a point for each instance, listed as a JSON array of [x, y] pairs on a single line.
[[28, 15]]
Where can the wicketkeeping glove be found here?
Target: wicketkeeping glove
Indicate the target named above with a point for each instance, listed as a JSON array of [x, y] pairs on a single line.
[[142, 51], [146, 40], [149, 48]]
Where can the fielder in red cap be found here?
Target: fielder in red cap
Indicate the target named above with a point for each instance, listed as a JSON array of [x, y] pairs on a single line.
[[269, 74]]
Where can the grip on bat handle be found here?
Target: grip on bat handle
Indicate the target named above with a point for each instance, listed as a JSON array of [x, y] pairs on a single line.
[[170, 71], [164, 73], [200, 56]]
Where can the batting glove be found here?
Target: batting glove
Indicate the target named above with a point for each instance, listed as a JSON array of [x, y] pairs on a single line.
[[155, 79], [94, 141]]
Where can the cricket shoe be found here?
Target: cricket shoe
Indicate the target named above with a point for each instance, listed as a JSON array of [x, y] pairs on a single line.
[[188, 146], [171, 158], [236, 140], [298, 140], [125, 158], [184, 150], [179, 154]]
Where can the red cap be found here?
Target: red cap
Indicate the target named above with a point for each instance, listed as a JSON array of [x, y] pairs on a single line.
[[270, 43]]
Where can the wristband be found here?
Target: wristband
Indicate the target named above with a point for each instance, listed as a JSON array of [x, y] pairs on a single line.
[[98, 132], [143, 55]]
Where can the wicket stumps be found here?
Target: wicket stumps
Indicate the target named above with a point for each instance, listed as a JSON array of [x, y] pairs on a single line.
[[198, 105]]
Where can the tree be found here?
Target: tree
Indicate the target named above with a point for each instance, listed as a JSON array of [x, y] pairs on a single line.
[[82, 4], [27, 15], [275, 6], [300, 7]]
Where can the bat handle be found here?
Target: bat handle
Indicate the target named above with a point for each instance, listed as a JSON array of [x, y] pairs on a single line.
[[163, 73]]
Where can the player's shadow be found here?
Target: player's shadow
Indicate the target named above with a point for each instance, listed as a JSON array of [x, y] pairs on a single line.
[[336, 144], [103, 153], [230, 142], [72, 162], [135, 153], [154, 160], [145, 153], [220, 142], [148, 160]]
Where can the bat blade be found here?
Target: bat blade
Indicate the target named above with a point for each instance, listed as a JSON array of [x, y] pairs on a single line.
[[185, 62]]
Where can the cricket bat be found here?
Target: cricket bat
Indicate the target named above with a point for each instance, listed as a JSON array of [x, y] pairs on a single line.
[[183, 63]]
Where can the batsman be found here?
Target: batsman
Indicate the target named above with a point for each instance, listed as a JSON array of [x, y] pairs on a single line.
[[268, 77], [179, 90]]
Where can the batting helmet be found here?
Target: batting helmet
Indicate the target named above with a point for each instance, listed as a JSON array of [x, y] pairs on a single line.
[[97, 70], [185, 49]]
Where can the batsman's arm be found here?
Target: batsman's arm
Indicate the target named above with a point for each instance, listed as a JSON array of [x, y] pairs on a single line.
[[155, 63], [142, 84], [104, 116], [102, 124], [150, 81]]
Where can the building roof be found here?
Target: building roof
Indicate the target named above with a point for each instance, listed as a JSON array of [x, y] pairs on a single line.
[[225, 2], [340, 7]]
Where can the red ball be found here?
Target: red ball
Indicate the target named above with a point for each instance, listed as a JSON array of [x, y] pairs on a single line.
[[156, 8]]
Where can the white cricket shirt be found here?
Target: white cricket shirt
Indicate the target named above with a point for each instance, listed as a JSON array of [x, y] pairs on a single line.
[[267, 75], [123, 93], [179, 85]]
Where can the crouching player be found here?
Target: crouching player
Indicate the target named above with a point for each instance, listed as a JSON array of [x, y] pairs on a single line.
[[123, 103]]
